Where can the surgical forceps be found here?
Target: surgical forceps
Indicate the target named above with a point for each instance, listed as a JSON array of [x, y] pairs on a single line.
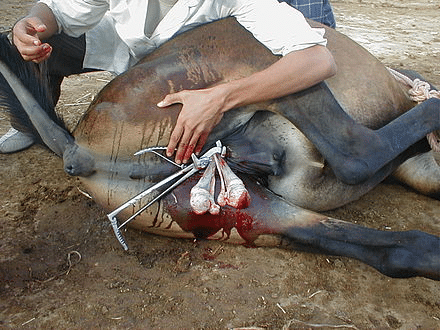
[[184, 173]]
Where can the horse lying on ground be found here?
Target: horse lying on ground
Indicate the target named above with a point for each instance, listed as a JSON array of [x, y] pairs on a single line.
[[311, 151]]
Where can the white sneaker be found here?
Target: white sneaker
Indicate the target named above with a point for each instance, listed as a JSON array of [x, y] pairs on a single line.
[[14, 141]]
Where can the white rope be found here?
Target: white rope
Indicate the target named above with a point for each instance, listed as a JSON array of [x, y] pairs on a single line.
[[420, 91]]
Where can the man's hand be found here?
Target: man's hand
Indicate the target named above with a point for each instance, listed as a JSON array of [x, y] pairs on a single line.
[[28, 32], [27, 41], [202, 110]]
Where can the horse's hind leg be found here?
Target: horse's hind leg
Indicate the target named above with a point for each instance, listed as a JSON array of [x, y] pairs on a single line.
[[354, 151], [397, 254], [411, 74]]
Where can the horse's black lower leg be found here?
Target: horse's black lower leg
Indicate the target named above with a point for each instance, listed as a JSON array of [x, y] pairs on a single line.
[[412, 125], [411, 74], [395, 254], [354, 151], [379, 148]]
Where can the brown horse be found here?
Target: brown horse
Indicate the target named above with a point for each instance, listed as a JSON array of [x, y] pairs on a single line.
[[299, 154]]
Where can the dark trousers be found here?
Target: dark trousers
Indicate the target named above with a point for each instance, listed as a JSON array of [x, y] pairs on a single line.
[[66, 59]]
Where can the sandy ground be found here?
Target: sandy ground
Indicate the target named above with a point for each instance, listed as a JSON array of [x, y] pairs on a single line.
[[61, 266]]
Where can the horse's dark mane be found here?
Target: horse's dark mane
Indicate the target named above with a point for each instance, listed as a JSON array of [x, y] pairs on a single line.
[[34, 78]]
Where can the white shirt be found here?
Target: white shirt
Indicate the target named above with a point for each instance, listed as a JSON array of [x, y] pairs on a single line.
[[156, 11], [115, 29]]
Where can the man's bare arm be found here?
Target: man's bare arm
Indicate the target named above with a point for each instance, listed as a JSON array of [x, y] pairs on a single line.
[[203, 109]]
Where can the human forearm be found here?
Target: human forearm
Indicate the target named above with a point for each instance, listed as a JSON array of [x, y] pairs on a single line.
[[203, 109], [292, 73]]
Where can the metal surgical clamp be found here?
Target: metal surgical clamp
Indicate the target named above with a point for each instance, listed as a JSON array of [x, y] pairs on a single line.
[[184, 173]]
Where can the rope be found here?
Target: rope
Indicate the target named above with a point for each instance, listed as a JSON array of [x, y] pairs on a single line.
[[420, 91]]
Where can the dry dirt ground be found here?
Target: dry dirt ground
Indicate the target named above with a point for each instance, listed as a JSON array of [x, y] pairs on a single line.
[[61, 266]]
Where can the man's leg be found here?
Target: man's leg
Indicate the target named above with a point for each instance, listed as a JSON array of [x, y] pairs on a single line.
[[66, 59]]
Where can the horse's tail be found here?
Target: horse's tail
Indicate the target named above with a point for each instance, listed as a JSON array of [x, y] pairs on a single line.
[[34, 78]]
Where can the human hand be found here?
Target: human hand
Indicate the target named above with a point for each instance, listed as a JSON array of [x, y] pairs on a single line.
[[27, 41], [201, 111]]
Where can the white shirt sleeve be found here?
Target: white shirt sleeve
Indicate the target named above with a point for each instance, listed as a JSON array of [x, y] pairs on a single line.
[[278, 26], [75, 17], [115, 35]]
